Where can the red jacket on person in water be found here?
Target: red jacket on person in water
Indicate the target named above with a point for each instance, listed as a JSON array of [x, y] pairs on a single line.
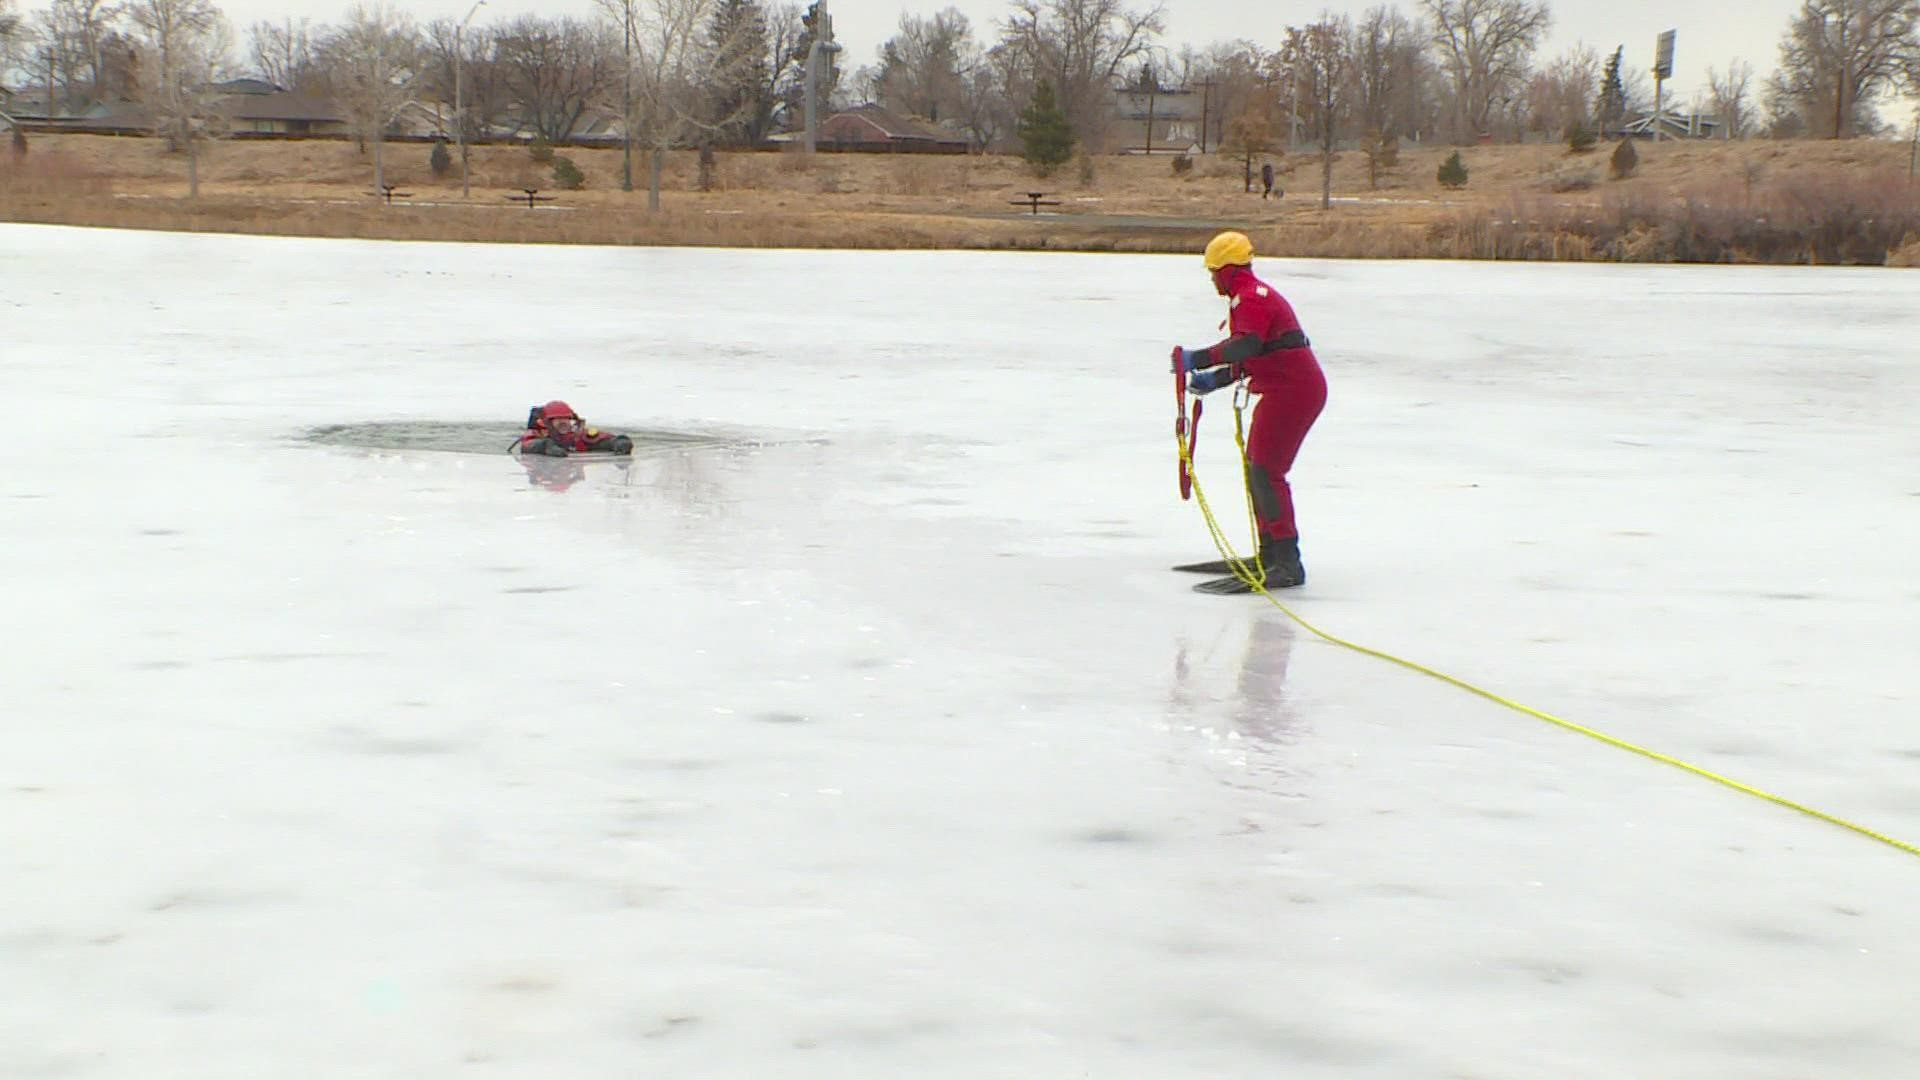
[[576, 441], [555, 429]]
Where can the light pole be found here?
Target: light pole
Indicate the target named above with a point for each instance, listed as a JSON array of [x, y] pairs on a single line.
[[459, 96], [626, 96], [823, 43]]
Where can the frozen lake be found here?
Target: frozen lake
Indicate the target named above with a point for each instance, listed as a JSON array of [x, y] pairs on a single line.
[[865, 734]]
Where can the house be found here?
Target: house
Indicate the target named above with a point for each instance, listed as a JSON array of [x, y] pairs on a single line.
[[29, 108], [870, 129], [1153, 120], [282, 112], [256, 87]]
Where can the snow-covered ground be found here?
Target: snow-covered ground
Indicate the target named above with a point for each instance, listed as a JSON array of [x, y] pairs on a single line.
[[874, 739]]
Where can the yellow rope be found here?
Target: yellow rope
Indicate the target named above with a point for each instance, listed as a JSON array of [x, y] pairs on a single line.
[[1253, 573]]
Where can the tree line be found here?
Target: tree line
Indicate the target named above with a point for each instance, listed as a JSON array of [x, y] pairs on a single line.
[[731, 72]]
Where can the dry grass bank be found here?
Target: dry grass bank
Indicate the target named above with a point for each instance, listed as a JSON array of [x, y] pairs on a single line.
[[1720, 202]]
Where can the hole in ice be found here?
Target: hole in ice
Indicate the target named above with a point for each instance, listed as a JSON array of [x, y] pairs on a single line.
[[470, 437]]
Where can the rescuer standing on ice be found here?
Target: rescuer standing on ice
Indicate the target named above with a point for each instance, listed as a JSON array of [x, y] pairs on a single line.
[[1266, 346]]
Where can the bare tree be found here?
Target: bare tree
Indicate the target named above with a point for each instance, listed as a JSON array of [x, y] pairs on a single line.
[[372, 61], [674, 58], [1560, 96], [923, 67], [1324, 64], [76, 33], [1730, 93], [13, 37], [986, 108], [455, 60], [1229, 75], [1485, 46], [284, 53], [1837, 57], [183, 47], [1385, 49], [625, 17], [1080, 47], [556, 69], [784, 34]]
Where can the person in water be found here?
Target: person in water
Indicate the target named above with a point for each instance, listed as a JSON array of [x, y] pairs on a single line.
[[555, 430]]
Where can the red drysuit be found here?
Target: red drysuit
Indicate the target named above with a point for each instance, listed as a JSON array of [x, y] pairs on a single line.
[[1291, 386]]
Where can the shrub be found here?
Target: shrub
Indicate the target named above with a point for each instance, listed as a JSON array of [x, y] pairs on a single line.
[[1571, 179], [1625, 160], [1182, 165], [1084, 162], [540, 150], [19, 142], [568, 175], [1452, 173], [440, 161], [1580, 137]]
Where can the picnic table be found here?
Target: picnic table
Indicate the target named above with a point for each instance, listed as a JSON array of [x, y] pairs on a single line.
[[530, 196], [390, 192], [1035, 200]]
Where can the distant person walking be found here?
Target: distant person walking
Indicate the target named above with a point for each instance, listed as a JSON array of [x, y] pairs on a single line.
[[1266, 179]]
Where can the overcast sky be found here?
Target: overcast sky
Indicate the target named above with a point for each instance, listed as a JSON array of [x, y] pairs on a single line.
[[1707, 34]]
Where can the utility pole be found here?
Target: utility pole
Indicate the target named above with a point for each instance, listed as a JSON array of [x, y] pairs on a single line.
[[459, 97], [1913, 155], [626, 99], [1206, 102], [1662, 71]]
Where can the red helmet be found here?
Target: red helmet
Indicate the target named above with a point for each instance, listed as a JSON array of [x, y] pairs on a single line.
[[554, 410]]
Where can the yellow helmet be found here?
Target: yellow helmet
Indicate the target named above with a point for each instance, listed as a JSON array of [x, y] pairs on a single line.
[[1229, 249]]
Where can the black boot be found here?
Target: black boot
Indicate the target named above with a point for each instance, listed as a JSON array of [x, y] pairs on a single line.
[[1279, 564], [1282, 561]]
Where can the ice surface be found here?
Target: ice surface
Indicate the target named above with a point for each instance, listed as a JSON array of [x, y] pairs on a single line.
[[874, 740]]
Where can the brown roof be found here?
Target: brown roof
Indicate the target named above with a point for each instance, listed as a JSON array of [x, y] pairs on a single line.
[[888, 125], [283, 105]]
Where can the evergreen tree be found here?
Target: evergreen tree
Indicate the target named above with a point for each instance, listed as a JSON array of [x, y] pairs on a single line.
[[1043, 128], [1611, 109], [1453, 172], [738, 34], [1625, 160]]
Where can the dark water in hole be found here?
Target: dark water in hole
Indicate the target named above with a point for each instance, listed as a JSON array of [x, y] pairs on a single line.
[[491, 438]]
